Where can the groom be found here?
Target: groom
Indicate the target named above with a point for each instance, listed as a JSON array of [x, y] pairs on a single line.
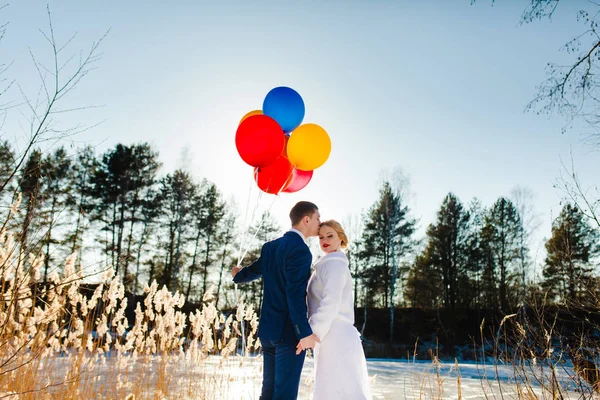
[[284, 264]]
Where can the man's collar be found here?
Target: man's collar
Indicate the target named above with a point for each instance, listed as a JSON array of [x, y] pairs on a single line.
[[298, 232]]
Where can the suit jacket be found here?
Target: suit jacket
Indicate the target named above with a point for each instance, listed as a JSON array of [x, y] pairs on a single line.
[[284, 265]]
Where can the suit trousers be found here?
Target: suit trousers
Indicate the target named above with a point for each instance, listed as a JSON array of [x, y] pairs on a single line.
[[281, 371]]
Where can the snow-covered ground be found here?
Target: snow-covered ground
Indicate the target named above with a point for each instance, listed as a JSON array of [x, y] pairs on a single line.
[[402, 379], [239, 378]]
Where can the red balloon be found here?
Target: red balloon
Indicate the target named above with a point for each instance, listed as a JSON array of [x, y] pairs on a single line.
[[275, 177], [299, 180], [259, 140]]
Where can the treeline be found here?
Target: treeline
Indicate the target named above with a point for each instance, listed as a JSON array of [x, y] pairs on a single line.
[[117, 210], [472, 257], [114, 210]]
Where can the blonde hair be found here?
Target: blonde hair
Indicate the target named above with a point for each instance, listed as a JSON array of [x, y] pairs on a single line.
[[337, 227]]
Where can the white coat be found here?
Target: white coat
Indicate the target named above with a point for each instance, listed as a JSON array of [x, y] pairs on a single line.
[[340, 364]]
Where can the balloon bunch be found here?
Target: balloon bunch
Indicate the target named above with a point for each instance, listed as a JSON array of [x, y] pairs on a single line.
[[283, 151]]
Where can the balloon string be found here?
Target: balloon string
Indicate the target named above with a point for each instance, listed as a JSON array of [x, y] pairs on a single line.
[[245, 224], [239, 257], [237, 297], [248, 201], [247, 247]]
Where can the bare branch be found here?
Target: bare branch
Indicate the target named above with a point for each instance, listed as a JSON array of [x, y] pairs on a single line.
[[572, 187], [41, 122]]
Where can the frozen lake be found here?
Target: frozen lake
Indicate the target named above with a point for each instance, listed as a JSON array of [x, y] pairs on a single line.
[[239, 378]]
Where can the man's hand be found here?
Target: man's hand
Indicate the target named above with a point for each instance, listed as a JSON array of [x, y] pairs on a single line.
[[307, 343], [235, 270]]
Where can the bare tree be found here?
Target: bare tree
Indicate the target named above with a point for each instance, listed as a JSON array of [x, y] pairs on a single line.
[[523, 199], [58, 75], [353, 227], [585, 198], [573, 89], [58, 78], [399, 181]]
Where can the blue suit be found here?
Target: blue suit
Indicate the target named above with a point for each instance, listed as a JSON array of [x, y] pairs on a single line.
[[284, 264]]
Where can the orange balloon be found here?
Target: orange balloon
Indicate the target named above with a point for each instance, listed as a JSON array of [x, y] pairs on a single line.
[[284, 152], [309, 147], [251, 113]]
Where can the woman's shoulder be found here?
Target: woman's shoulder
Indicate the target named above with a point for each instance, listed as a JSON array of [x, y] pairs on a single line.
[[335, 258]]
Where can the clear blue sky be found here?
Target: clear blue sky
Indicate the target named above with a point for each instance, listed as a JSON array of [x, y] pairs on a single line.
[[437, 88]]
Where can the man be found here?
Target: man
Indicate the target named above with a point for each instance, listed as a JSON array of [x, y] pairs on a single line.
[[284, 264]]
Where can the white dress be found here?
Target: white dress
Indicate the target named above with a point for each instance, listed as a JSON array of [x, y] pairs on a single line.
[[340, 365]]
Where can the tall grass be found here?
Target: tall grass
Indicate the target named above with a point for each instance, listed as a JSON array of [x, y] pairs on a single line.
[[57, 343]]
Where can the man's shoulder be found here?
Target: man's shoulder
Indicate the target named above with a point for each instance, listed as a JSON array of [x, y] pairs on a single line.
[[297, 250], [275, 243], [291, 235], [292, 239], [289, 243]]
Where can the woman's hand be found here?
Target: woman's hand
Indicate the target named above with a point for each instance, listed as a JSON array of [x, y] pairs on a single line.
[[308, 342]]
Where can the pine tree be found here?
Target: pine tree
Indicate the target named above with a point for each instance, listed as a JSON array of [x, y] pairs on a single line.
[[208, 210], [568, 270], [424, 287], [500, 235], [7, 165], [30, 184], [387, 239], [447, 248], [81, 200], [151, 208], [177, 192], [477, 255], [124, 174], [56, 168]]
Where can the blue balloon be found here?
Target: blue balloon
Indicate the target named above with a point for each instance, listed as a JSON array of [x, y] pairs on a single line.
[[285, 106]]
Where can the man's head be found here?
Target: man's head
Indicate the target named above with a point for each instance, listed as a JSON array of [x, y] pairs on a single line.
[[305, 217]]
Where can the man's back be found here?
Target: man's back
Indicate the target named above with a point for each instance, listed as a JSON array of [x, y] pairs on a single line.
[[284, 265]]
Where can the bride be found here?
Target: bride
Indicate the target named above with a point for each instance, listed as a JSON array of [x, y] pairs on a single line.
[[340, 365]]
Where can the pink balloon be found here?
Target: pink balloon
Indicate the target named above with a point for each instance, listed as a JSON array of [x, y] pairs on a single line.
[[299, 180]]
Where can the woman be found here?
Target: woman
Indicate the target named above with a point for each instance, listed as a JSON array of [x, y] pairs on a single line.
[[340, 365]]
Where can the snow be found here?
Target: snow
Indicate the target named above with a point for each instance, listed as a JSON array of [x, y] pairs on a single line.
[[239, 378]]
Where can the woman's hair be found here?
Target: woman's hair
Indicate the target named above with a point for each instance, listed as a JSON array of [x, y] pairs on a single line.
[[337, 227]]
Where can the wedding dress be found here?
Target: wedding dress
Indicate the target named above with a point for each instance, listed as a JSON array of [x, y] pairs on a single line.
[[340, 365]]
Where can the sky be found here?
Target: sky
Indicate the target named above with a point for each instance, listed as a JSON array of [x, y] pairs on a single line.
[[434, 88]]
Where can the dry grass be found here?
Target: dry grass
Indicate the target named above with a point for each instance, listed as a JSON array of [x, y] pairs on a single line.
[[56, 343]]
